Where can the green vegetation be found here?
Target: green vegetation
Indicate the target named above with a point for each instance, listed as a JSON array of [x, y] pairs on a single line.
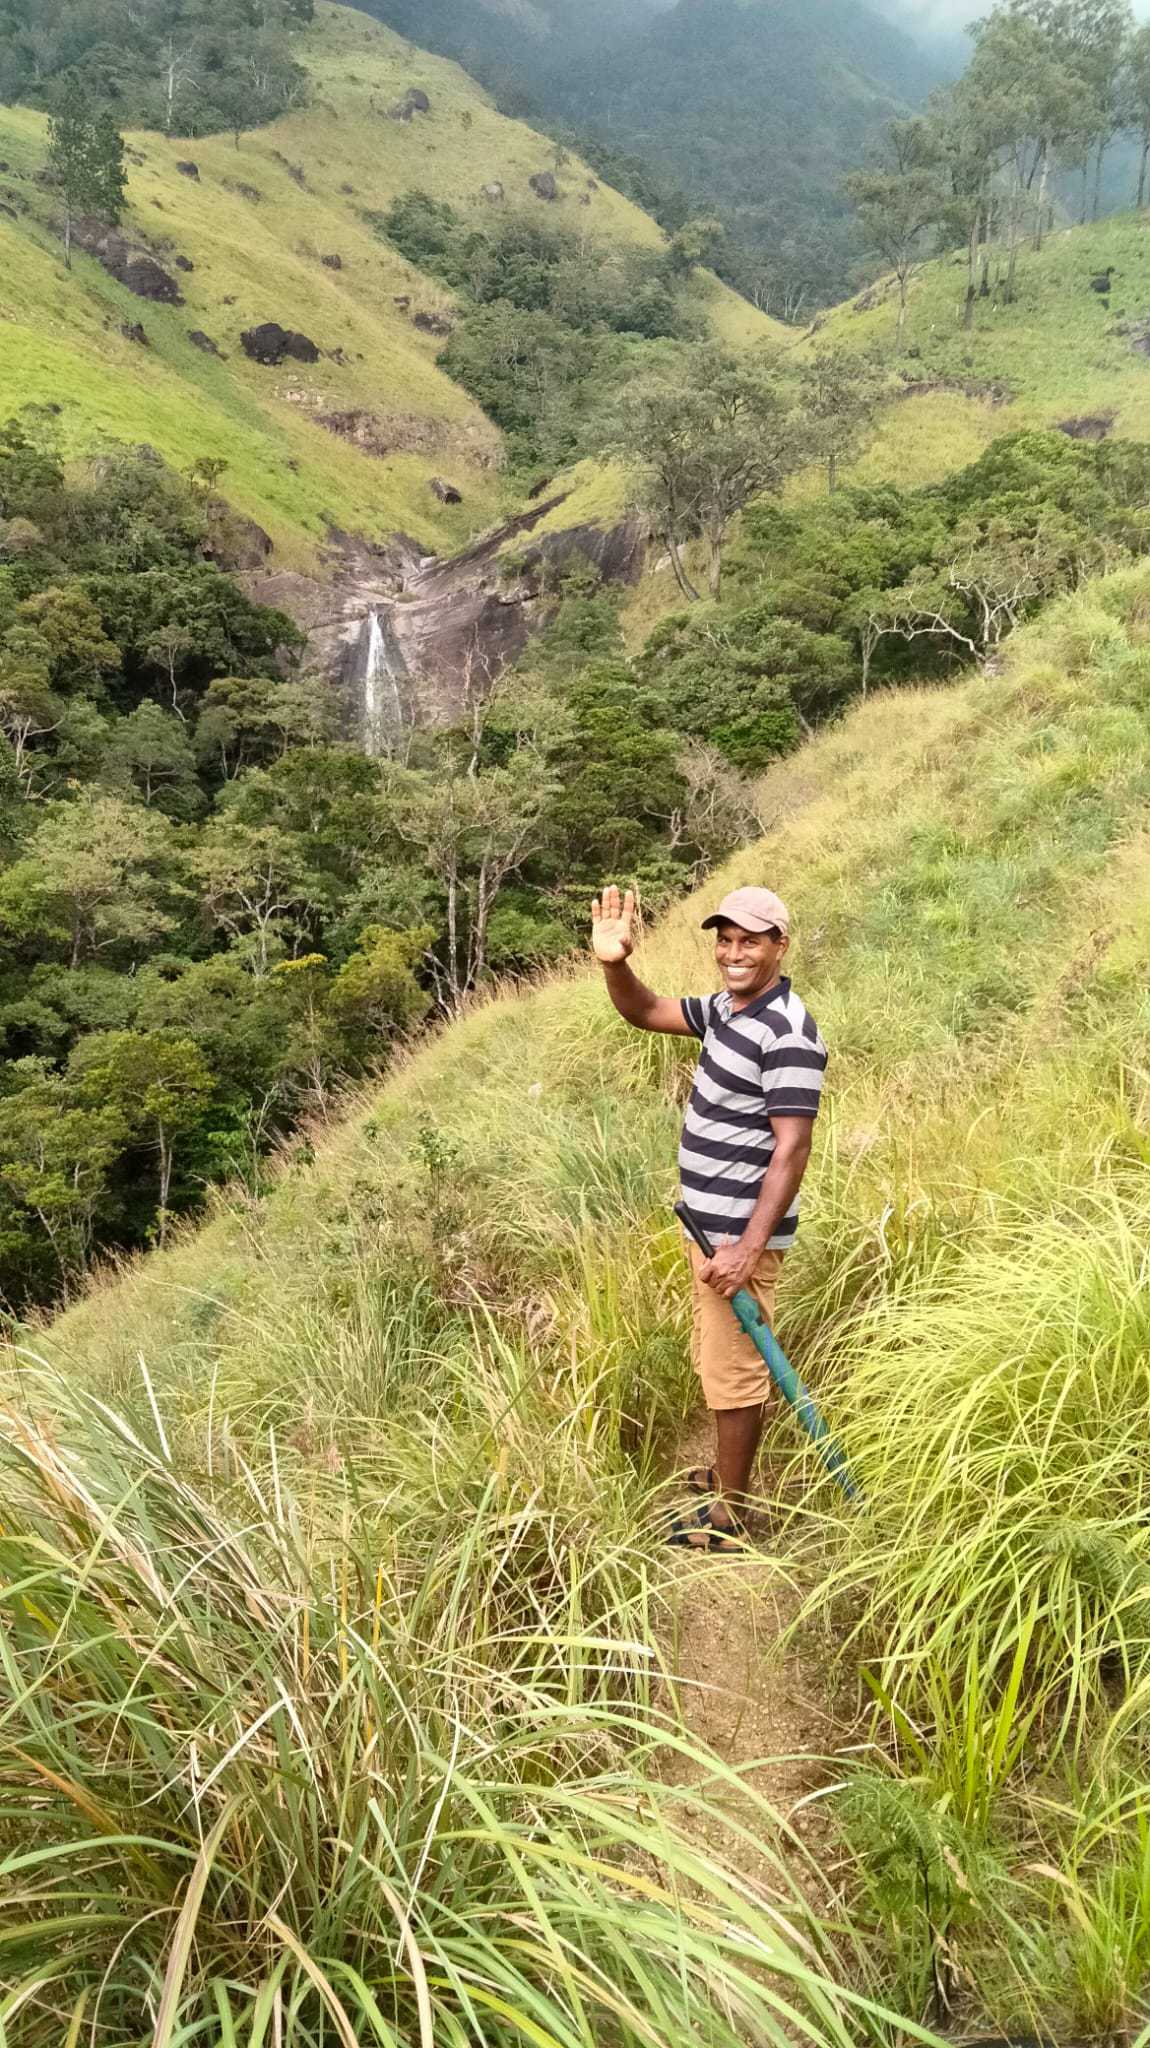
[[482, 1260], [740, 108], [827, 596], [214, 907], [179, 67], [547, 315]]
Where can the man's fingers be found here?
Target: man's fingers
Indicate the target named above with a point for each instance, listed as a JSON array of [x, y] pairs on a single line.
[[596, 913], [629, 905]]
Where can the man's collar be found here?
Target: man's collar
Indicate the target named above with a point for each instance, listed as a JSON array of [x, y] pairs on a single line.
[[778, 989]]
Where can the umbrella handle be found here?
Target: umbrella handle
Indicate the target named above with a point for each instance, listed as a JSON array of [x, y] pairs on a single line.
[[694, 1230]]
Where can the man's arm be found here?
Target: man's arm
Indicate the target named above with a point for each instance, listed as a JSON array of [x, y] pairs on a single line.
[[612, 938], [733, 1264]]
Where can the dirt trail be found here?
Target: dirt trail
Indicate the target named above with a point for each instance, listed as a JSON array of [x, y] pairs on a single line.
[[766, 1711]]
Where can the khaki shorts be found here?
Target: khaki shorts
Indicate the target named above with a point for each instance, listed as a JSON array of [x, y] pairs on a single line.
[[733, 1372]]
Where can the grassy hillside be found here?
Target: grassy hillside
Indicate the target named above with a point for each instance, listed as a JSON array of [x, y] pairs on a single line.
[[419, 1390], [257, 256], [1061, 352]]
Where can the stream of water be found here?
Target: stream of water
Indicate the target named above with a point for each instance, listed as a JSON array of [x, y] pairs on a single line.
[[378, 670]]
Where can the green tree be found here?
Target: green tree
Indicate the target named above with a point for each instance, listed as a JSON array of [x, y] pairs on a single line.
[[1139, 76], [376, 997], [697, 241], [156, 1083], [61, 629], [98, 876], [841, 392], [701, 437], [85, 157], [55, 1162], [898, 198], [474, 828], [251, 721], [258, 887], [150, 753]]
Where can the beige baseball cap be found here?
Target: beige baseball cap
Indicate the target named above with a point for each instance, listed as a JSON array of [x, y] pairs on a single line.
[[754, 910]]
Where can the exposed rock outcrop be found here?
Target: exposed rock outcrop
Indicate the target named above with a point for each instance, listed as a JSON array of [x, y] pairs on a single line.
[[448, 494], [129, 264], [1089, 426], [543, 185], [204, 342], [270, 343], [187, 169], [414, 101], [403, 629]]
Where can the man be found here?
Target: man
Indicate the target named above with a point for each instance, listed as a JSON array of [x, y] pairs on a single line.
[[746, 1143]]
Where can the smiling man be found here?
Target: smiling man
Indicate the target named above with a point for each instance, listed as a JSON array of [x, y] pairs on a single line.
[[746, 1143]]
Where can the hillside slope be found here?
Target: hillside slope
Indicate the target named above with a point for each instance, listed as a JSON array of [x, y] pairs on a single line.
[[1061, 354], [752, 111], [469, 1313], [256, 225]]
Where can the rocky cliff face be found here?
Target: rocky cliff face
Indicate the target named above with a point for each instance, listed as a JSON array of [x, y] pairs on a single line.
[[400, 634]]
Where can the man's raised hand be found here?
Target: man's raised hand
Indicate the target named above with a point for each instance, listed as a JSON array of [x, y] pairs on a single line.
[[611, 925]]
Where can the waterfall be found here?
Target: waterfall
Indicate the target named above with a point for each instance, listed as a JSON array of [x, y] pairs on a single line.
[[382, 664]]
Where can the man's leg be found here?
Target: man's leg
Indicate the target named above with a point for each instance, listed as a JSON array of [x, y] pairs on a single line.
[[737, 1435], [735, 1380]]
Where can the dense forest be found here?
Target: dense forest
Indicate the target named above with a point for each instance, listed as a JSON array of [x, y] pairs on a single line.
[[175, 65], [752, 112]]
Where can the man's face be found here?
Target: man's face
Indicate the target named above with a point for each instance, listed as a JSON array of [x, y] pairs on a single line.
[[748, 961]]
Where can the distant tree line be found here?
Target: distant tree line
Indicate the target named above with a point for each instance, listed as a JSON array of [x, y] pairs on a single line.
[[1051, 86], [186, 67]]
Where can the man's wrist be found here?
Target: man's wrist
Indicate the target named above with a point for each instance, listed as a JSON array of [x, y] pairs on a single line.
[[754, 1242]]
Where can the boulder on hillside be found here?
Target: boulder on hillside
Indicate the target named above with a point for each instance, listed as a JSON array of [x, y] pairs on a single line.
[[1088, 426], [233, 541], [133, 330], [414, 101], [332, 262], [447, 493], [432, 323], [543, 185], [187, 169], [493, 192], [270, 343], [127, 263], [184, 263], [204, 343]]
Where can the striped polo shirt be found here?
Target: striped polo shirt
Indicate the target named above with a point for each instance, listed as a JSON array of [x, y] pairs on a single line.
[[765, 1060]]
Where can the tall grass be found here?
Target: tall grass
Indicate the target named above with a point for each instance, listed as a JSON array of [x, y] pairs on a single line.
[[306, 1767]]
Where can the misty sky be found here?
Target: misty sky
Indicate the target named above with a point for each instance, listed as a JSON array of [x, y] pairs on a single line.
[[949, 17]]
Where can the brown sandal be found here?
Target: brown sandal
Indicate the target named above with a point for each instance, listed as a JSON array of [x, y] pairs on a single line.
[[697, 1532], [701, 1479]]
